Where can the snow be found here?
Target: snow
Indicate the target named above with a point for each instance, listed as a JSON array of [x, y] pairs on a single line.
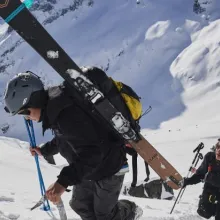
[[19, 188], [167, 53], [157, 30]]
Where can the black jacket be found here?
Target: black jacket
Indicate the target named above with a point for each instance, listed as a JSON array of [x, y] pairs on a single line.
[[92, 151], [212, 178]]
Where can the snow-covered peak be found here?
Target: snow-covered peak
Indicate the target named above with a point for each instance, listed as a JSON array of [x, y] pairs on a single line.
[[166, 52]]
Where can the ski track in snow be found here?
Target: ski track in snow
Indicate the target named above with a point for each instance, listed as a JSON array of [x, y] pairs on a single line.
[[10, 216], [6, 199]]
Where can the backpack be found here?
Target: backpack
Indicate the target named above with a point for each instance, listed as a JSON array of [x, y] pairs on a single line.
[[119, 94], [132, 100]]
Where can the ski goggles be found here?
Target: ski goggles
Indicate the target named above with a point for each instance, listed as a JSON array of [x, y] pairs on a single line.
[[25, 112]]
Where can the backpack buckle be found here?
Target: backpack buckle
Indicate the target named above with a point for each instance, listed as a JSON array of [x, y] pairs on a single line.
[[212, 199]]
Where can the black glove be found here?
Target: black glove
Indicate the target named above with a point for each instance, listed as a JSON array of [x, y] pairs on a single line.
[[185, 182]]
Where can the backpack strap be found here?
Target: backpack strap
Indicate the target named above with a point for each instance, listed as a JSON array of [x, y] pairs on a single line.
[[134, 170]]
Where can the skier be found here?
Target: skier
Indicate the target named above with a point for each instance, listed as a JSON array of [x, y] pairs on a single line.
[[209, 172], [96, 156]]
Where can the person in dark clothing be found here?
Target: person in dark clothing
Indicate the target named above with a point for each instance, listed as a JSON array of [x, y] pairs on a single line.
[[209, 173], [97, 160]]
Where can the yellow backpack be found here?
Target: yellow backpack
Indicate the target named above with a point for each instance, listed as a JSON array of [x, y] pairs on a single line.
[[131, 99]]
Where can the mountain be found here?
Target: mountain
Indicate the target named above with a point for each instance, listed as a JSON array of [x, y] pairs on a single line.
[[164, 51]]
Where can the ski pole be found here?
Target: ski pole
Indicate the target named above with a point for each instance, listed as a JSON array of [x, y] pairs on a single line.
[[176, 201], [38, 164], [197, 150], [200, 157], [29, 124], [196, 159], [192, 170]]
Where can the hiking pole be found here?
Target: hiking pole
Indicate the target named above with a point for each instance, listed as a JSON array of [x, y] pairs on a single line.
[[30, 130], [198, 156], [197, 150], [43, 201], [176, 200], [192, 169]]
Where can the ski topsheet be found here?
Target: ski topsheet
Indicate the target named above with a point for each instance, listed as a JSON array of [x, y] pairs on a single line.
[[26, 25]]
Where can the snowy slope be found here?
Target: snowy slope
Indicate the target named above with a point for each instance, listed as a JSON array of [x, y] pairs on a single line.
[[19, 188]]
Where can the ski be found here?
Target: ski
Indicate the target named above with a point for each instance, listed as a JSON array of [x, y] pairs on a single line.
[[16, 14], [62, 211]]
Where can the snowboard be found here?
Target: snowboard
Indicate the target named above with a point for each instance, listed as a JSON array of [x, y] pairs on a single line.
[[16, 14]]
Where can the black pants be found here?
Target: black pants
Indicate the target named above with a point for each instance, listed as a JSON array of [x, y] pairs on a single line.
[[98, 200]]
